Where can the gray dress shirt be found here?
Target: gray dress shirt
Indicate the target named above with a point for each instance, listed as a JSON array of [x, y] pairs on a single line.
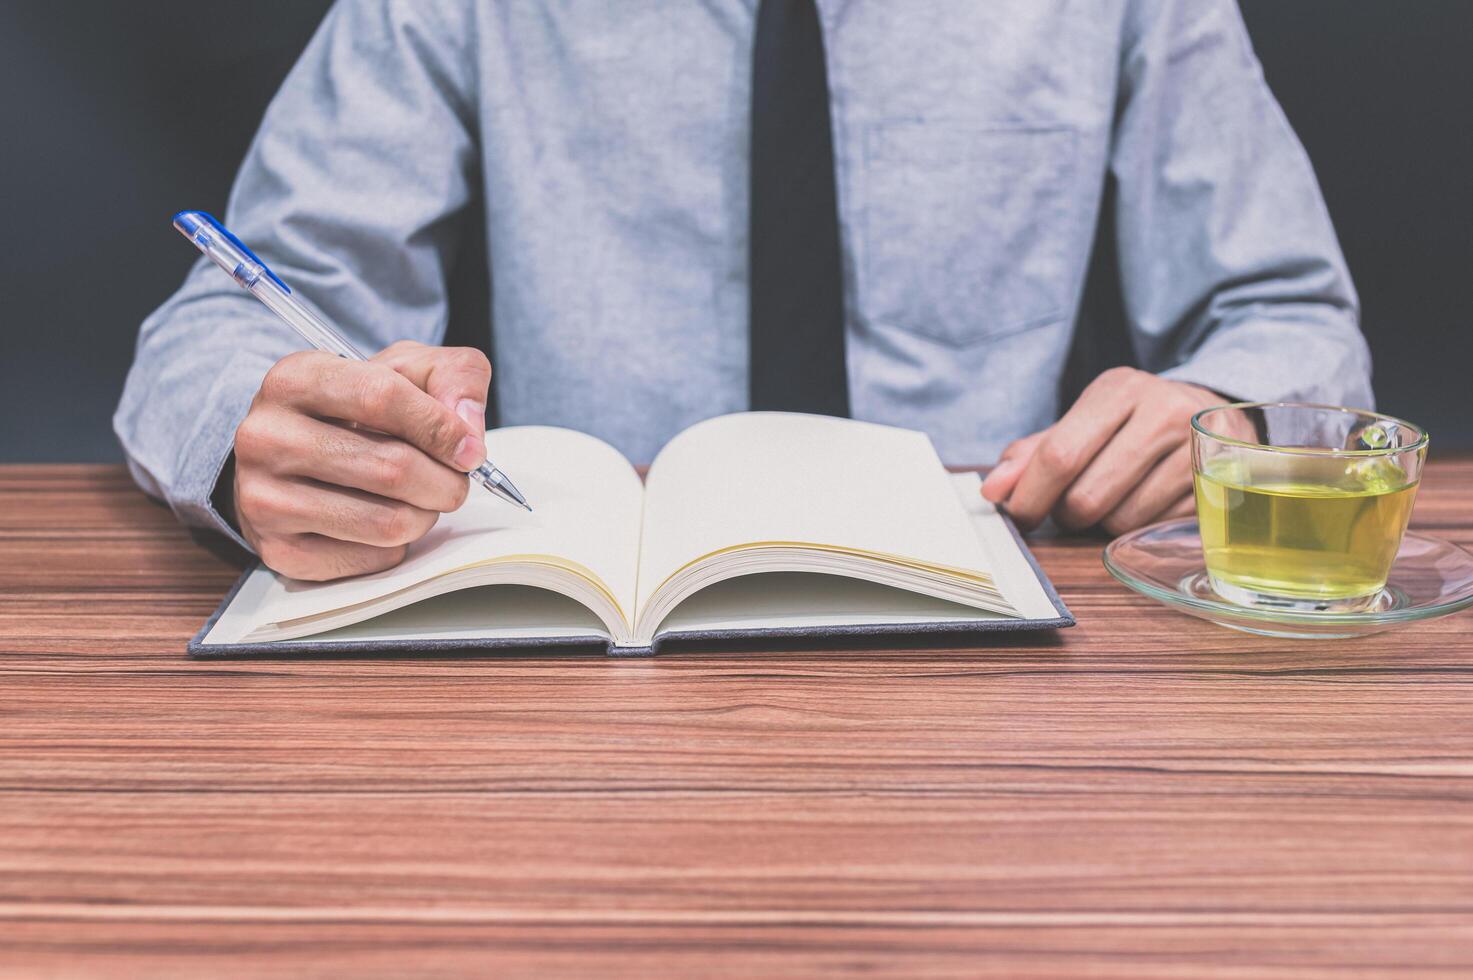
[[606, 144]]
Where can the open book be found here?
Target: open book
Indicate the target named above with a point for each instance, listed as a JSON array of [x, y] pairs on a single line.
[[751, 523]]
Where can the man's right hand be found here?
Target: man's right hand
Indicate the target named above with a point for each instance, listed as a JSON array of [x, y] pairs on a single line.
[[340, 464]]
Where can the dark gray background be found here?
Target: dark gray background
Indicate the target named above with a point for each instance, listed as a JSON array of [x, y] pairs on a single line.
[[115, 117]]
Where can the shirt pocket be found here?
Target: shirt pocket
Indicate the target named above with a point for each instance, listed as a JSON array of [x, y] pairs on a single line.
[[964, 228]]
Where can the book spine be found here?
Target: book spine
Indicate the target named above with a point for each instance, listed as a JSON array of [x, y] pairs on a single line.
[[641, 651]]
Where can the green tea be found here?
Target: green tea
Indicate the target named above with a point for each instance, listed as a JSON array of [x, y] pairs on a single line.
[[1301, 527]]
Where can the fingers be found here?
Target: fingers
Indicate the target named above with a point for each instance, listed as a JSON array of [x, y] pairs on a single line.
[[376, 396], [457, 377], [1072, 442], [308, 556], [1004, 476], [1119, 457], [1185, 507], [313, 558], [1165, 492], [288, 445], [293, 507], [1115, 474]]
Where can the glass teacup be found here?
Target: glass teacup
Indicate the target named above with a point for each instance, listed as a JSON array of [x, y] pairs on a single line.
[[1309, 516]]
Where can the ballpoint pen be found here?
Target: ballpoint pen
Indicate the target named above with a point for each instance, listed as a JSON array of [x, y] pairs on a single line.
[[253, 275]]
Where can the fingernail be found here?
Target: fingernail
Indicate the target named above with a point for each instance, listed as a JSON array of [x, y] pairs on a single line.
[[470, 453], [994, 486], [474, 414], [1000, 471]]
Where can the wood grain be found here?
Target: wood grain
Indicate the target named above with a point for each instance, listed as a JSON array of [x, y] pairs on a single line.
[[1144, 795]]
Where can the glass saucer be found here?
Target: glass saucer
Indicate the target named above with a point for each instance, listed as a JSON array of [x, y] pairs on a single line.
[[1164, 561]]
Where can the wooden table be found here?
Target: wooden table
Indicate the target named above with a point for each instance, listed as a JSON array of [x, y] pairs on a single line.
[[1143, 795]]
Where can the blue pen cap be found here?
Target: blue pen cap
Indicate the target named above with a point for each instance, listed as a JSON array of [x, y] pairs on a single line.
[[189, 222], [224, 249]]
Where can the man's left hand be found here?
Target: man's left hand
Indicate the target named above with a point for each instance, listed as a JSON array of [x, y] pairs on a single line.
[[1120, 458]]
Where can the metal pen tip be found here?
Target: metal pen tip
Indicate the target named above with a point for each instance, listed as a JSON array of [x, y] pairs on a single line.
[[495, 481]]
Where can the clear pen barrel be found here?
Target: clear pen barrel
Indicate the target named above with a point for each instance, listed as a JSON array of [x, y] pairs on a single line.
[[303, 320]]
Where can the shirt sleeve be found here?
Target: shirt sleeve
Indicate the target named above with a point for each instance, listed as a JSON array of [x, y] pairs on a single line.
[[349, 192], [1231, 273]]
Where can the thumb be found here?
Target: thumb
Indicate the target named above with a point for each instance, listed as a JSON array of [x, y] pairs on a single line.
[[1004, 476], [456, 377]]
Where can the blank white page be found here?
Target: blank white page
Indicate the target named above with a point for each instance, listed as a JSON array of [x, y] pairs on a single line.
[[586, 501], [778, 477], [488, 612], [804, 600]]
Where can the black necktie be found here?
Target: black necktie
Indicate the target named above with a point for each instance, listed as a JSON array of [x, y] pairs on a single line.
[[797, 313]]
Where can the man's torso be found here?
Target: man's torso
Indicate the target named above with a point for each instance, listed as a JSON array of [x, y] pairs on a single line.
[[970, 144]]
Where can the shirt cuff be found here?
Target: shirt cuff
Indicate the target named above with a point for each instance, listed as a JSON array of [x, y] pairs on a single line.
[[207, 448], [1268, 361]]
